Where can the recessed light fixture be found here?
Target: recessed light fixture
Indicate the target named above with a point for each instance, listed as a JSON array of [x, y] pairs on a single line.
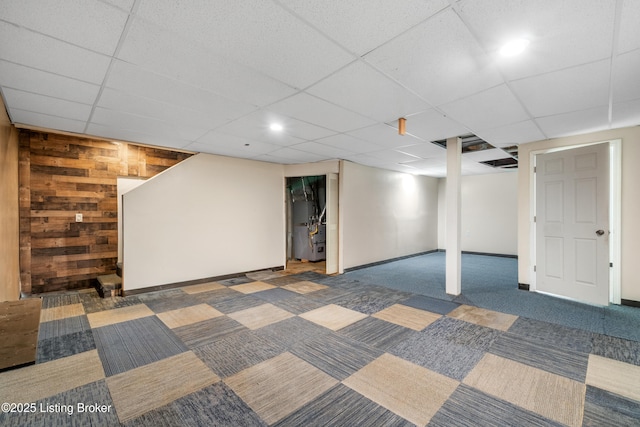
[[514, 47], [276, 127]]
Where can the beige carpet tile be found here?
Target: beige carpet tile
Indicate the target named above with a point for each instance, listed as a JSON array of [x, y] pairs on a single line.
[[42, 380], [61, 312], [151, 386], [483, 317], [553, 396], [411, 391], [333, 316], [262, 315], [614, 376], [408, 317], [117, 315], [304, 287], [278, 386], [203, 287], [188, 315], [250, 288]]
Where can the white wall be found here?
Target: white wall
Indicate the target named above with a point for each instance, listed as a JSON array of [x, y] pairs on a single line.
[[207, 216], [489, 213], [386, 214], [630, 279]]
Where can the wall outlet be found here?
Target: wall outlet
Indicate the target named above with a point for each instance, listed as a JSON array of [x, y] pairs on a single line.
[[78, 217]]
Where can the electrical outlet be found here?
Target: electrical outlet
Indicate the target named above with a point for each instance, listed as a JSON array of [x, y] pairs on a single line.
[[78, 217]]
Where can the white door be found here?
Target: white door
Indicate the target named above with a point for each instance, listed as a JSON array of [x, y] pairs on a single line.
[[332, 223], [572, 223]]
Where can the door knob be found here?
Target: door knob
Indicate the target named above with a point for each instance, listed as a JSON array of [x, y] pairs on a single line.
[[600, 232]]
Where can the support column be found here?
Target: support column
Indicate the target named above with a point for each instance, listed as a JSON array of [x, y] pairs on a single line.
[[452, 238]]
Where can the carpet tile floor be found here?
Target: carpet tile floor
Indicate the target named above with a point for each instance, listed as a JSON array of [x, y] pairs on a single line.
[[297, 348]]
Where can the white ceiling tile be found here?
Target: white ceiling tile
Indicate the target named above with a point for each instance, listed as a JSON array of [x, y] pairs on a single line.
[[86, 23], [122, 4], [297, 156], [484, 155], [256, 126], [432, 125], [629, 37], [243, 147], [171, 55], [576, 122], [394, 156], [238, 30], [326, 151], [370, 93], [366, 159], [32, 80], [128, 135], [424, 150], [488, 109], [47, 105], [562, 33], [322, 113], [439, 59], [44, 53], [577, 88], [513, 134], [384, 136], [626, 77], [626, 114], [350, 143], [46, 121], [363, 25]]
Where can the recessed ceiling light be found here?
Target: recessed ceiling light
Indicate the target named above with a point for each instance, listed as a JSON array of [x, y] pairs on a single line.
[[276, 127], [514, 47]]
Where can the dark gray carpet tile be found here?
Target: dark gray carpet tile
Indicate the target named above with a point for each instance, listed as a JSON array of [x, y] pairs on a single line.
[[93, 303], [236, 352], [341, 406], [172, 302], [330, 295], [603, 408], [50, 301], [469, 407], [310, 276], [65, 345], [568, 363], [369, 304], [377, 333], [235, 303], [160, 295], [289, 332], [208, 331], [216, 405], [217, 296], [337, 355], [433, 305], [553, 334], [462, 333], [438, 354], [283, 280], [128, 345], [298, 304], [68, 409], [61, 327], [235, 281], [616, 348], [273, 295]]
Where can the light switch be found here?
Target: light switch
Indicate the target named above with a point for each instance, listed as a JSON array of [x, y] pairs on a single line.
[[78, 217]]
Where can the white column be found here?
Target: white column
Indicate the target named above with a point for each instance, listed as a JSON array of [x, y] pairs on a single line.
[[453, 257]]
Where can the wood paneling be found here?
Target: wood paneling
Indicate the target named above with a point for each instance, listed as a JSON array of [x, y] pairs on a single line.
[[63, 175]]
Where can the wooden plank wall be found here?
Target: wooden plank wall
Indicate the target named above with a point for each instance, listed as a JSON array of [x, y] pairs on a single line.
[[63, 175]]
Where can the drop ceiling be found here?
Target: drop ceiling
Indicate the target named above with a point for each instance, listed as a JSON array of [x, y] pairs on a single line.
[[211, 76]]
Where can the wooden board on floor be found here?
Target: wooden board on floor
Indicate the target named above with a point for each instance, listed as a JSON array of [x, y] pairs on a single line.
[[19, 324]]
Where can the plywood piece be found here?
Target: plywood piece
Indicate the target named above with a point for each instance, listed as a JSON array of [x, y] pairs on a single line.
[[19, 325]]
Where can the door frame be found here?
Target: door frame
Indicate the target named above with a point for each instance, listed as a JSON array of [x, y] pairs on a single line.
[[615, 209]]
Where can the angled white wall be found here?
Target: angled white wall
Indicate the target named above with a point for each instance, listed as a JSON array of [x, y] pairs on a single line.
[[207, 216]]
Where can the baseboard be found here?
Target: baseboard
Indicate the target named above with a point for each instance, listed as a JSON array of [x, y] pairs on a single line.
[[386, 261], [523, 286], [193, 282], [484, 254], [630, 303]]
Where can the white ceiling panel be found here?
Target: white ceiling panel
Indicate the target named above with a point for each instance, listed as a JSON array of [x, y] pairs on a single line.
[[47, 105], [121, 4], [562, 33], [47, 54], [629, 37], [256, 126], [119, 134], [237, 30], [488, 109], [46, 121], [296, 156], [385, 136], [171, 55], [517, 133], [592, 120], [626, 114], [432, 125], [370, 93], [314, 110], [363, 25], [366, 159], [425, 150], [350, 143], [393, 156], [326, 151], [87, 23], [626, 81], [31, 80], [439, 59], [218, 142], [577, 88]]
